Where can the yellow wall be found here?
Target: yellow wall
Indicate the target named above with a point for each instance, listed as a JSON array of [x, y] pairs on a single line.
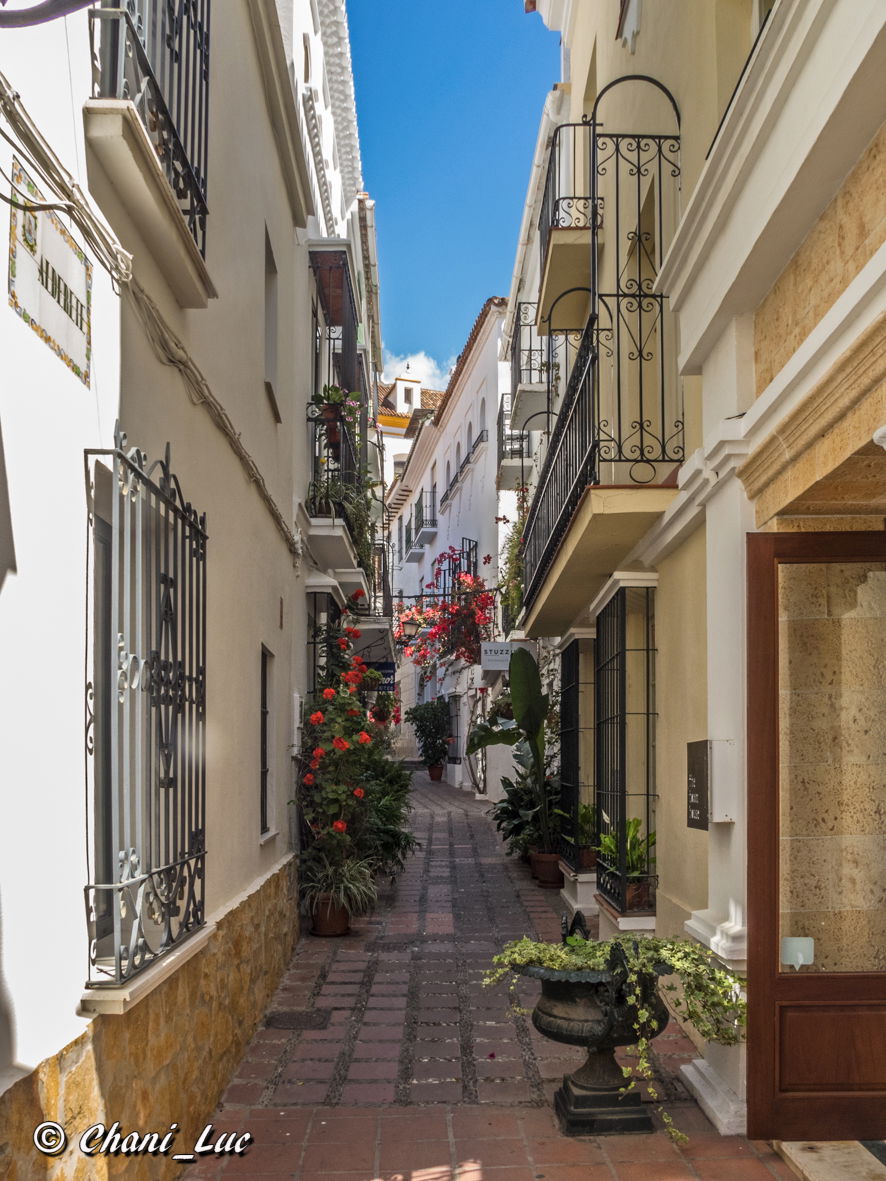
[[681, 696], [845, 237]]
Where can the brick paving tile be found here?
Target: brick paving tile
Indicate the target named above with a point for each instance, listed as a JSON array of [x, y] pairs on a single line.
[[422, 1074], [732, 1169]]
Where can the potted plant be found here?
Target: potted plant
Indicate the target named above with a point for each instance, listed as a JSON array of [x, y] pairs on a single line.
[[330, 402], [334, 885], [526, 733], [430, 720], [605, 994], [639, 862]]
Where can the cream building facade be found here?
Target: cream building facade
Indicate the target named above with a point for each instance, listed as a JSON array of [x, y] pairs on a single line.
[[186, 272], [446, 500], [703, 248]]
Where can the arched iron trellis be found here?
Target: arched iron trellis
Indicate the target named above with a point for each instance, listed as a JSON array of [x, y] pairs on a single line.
[[620, 418]]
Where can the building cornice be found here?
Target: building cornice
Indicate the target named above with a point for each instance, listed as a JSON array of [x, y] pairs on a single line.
[[314, 135], [340, 79]]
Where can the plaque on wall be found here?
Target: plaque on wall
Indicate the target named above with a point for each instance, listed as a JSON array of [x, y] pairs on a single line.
[[50, 277], [698, 762]]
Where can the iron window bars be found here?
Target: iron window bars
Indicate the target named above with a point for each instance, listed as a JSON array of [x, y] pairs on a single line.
[[625, 716], [576, 731], [425, 511], [528, 350], [324, 616], [156, 54], [620, 419], [145, 712]]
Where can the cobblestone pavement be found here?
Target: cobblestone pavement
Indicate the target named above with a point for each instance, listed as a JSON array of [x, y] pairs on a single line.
[[383, 1057]]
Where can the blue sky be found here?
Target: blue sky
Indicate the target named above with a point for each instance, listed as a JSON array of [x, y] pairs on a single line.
[[449, 98]]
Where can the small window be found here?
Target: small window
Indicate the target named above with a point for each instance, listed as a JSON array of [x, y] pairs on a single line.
[[264, 740], [271, 325], [307, 59], [482, 414], [448, 473], [470, 439]]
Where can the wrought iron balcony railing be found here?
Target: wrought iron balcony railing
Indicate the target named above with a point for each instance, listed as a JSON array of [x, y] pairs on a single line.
[[338, 489], [620, 418], [528, 349], [568, 201], [410, 536], [511, 444], [156, 54], [425, 512]]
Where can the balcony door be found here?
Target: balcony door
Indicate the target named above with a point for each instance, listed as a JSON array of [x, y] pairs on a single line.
[[817, 835]]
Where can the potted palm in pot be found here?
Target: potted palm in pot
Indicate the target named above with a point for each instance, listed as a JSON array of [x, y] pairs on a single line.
[[525, 732], [334, 884], [639, 862], [430, 720]]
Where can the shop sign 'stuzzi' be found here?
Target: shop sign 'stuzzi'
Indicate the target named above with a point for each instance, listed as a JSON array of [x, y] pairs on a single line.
[[50, 277]]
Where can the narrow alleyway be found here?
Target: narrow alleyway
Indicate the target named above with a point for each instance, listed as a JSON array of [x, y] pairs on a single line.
[[382, 1056]]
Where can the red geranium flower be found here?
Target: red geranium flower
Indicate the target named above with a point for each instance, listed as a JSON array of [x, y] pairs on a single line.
[[358, 594], [315, 763], [364, 737], [354, 713], [317, 718], [308, 779], [329, 694], [359, 793], [339, 826], [318, 752], [342, 643], [341, 743]]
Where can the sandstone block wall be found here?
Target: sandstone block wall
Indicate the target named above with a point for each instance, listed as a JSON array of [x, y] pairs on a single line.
[[167, 1059]]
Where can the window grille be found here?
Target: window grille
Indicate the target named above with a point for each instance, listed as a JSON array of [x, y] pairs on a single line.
[[264, 714], [145, 713], [454, 755], [576, 751], [625, 748], [323, 614]]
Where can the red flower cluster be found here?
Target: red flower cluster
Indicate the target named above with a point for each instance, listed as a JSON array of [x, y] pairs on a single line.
[[359, 793], [363, 737], [451, 627], [341, 743], [317, 718], [329, 694], [339, 826]]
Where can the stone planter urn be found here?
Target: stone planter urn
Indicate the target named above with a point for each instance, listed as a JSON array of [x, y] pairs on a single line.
[[591, 1009]]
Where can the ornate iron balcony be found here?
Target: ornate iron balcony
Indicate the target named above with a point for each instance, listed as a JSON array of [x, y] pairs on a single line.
[[568, 201], [528, 349], [620, 420], [156, 54]]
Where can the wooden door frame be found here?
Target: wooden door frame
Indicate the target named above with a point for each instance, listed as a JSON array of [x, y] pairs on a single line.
[[774, 1114]]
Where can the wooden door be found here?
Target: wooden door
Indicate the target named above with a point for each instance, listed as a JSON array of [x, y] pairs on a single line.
[[817, 836]]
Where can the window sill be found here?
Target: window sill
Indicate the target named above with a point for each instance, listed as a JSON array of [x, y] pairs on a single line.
[[268, 836], [120, 999], [134, 191]]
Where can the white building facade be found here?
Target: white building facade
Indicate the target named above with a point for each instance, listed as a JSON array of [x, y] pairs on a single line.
[[184, 277]]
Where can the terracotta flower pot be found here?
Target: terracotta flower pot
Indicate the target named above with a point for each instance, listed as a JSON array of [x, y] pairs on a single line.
[[546, 870], [436, 772], [587, 858], [638, 896], [330, 919]]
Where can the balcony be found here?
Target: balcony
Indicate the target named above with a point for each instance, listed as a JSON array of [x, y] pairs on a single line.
[[513, 451], [340, 533], [530, 368], [425, 517], [413, 549], [337, 361], [611, 462], [564, 229], [375, 612], [147, 130]]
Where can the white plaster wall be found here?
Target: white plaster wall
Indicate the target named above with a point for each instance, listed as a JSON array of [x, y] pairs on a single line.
[[48, 418]]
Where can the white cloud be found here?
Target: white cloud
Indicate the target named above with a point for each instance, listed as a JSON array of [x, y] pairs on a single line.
[[432, 374]]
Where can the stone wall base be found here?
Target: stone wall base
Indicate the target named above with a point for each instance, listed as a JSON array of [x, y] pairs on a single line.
[[167, 1059]]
